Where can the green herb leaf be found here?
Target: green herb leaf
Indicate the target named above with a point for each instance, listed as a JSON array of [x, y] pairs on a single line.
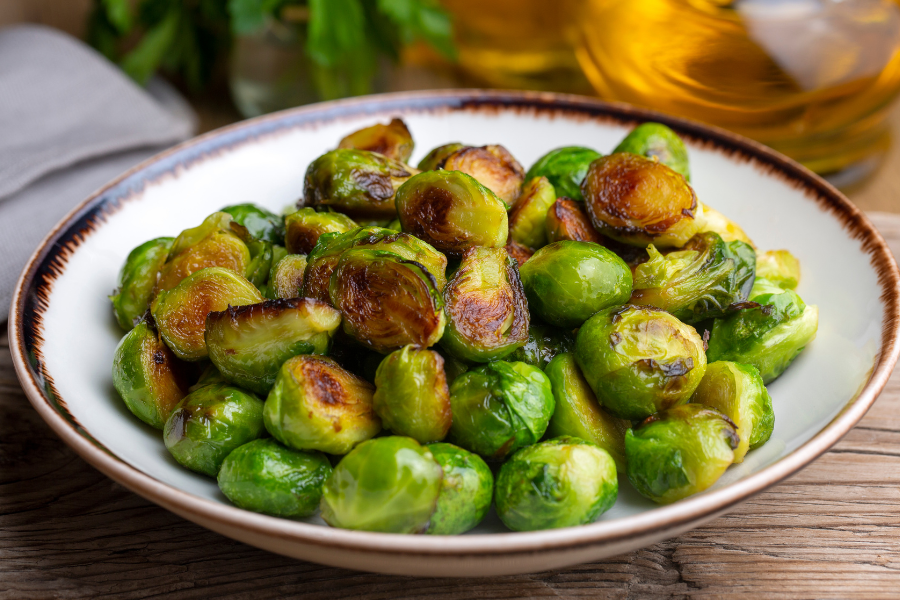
[[144, 60], [421, 19], [119, 14]]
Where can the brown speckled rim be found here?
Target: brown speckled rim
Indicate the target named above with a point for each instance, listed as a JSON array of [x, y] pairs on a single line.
[[31, 297]]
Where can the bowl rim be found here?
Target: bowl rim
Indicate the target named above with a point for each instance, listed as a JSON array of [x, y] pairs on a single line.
[[30, 299]]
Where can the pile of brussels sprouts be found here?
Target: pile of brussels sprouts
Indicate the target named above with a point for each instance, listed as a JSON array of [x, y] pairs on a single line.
[[413, 344]]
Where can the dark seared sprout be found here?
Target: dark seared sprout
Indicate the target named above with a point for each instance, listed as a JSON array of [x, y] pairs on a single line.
[[562, 482], [568, 282], [411, 394], [639, 360], [248, 344], [494, 168], [518, 252], [737, 391], [434, 159], [656, 141], [544, 342], [452, 211], [358, 183], [466, 490], [265, 477], [389, 484], [387, 301], [716, 222], [262, 224], [679, 452], [527, 221], [703, 280], [137, 280], [392, 140], [579, 414], [487, 313], [408, 247], [148, 377], [180, 313], [499, 408], [317, 405], [780, 267], [210, 423], [566, 220], [303, 228], [565, 168], [640, 201], [286, 277]]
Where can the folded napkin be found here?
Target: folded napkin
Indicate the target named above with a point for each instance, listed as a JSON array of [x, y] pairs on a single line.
[[69, 122]]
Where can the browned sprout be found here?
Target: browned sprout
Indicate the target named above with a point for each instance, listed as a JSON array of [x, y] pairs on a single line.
[[286, 277], [303, 228], [518, 252], [393, 140], [566, 220], [493, 166]]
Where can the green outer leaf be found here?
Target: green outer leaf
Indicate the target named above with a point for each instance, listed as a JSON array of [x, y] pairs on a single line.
[[145, 59], [119, 14]]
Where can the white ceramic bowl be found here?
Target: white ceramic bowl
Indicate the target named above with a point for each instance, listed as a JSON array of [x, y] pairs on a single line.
[[63, 334]]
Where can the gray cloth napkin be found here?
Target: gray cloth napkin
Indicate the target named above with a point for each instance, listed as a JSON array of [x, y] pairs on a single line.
[[70, 121]]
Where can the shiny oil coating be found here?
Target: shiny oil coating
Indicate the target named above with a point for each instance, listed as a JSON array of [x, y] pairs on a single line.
[[565, 168], [137, 280], [392, 140]]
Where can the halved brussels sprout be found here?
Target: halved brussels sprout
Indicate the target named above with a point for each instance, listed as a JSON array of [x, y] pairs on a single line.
[[579, 414], [780, 267], [434, 159], [566, 220], [286, 277], [716, 222], [737, 391], [679, 452], [499, 408], [656, 141], [565, 168], [466, 490], [147, 375], [211, 422], [392, 140], [487, 313], [180, 313], [317, 405], [303, 228], [408, 247], [519, 253], [528, 220], [494, 168], [544, 342], [568, 282], [639, 201], [137, 280], [562, 482], [702, 281], [389, 484], [452, 211], [639, 360], [260, 223], [248, 344]]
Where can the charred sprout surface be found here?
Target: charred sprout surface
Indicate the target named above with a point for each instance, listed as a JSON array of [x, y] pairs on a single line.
[[656, 141], [466, 490], [259, 222], [528, 220], [544, 342], [494, 168], [566, 220], [392, 140], [286, 277], [303, 228], [137, 280], [716, 222], [518, 252], [434, 159], [565, 168], [780, 267]]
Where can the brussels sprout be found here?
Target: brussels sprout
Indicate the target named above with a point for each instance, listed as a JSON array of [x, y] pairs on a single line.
[[395, 225], [211, 422], [452, 212], [737, 391], [566, 220], [392, 140], [208, 376], [780, 267], [639, 360], [639, 201], [147, 375], [356, 182], [494, 168], [137, 280], [389, 484], [387, 301], [411, 394], [656, 141], [466, 490], [579, 414], [453, 367], [303, 228], [716, 222], [761, 286], [317, 405], [434, 159], [562, 482], [568, 282], [679, 452], [702, 281], [565, 168], [518, 252], [265, 477], [408, 247], [499, 408], [260, 223], [544, 342], [248, 344], [180, 313], [261, 262], [769, 333], [527, 221], [286, 277], [487, 314]]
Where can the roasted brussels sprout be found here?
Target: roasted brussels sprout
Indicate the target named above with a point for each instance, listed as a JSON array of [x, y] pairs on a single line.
[[137, 280], [566, 220], [528, 220], [679, 452], [180, 313], [286, 277], [565, 168], [562, 482], [434, 159], [487, 313], [737, 391], [389, 484], [544, 342], [780, 267], [208, 376], [452, 212], [640, 201], [259, 222], [568, 282], [248, 344], [392, 140], [656, 141], [639, 360], [317, 405], [519, 253], [262, 259], [499, 408], [211, 422], [579, 414], [466, 490], [147, 375], [303, 228], [494, 168], [716, 222]]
